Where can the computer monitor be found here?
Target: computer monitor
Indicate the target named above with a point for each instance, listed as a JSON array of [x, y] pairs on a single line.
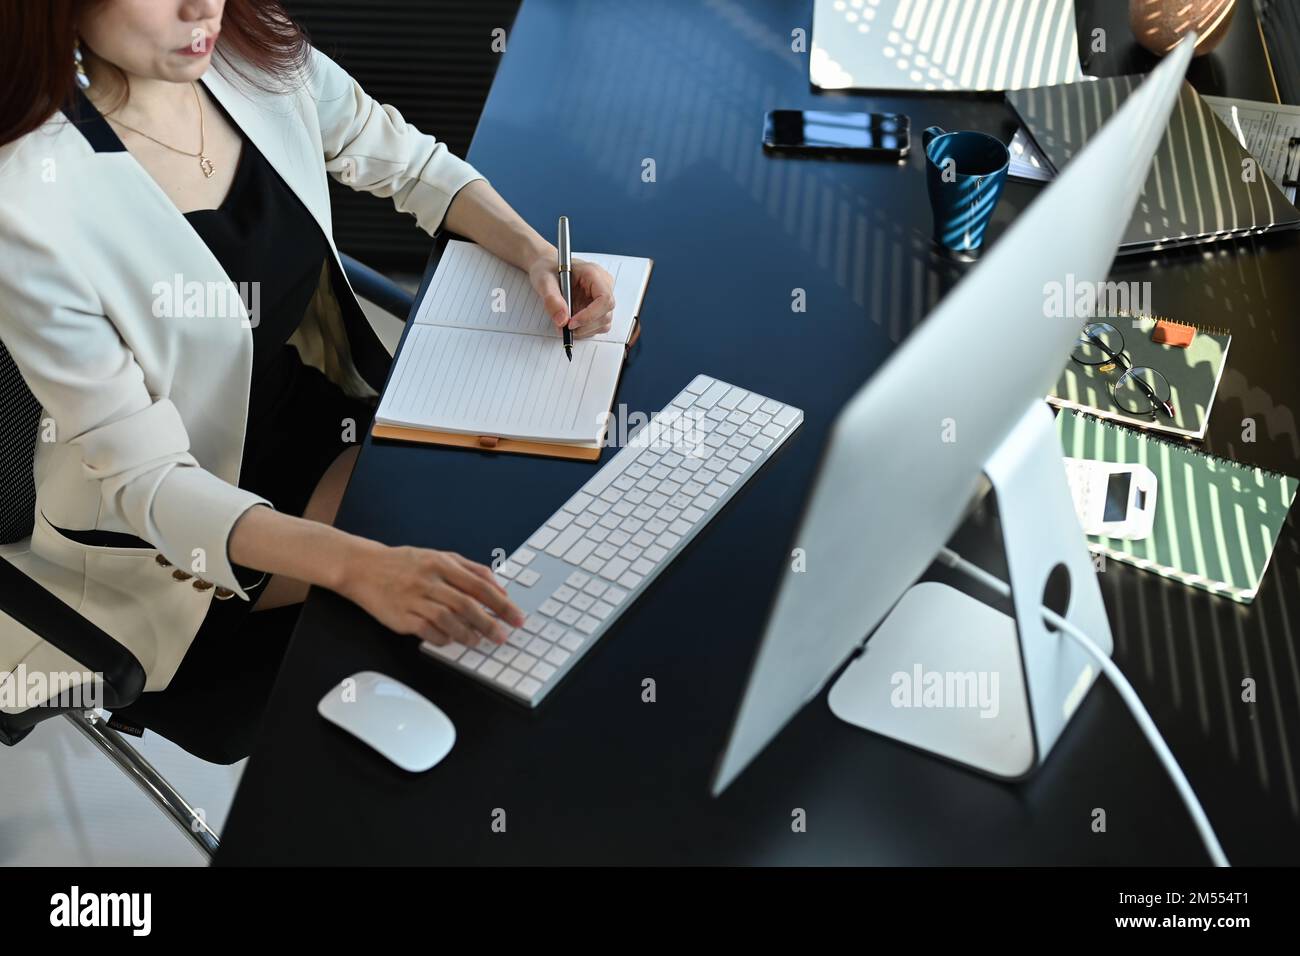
[[963, 396]]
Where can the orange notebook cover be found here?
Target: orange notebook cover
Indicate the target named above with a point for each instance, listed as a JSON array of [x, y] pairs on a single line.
[[483, 367]]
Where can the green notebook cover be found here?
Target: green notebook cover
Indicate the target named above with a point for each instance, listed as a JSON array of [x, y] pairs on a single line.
[[1217, 521], [1193, 374]]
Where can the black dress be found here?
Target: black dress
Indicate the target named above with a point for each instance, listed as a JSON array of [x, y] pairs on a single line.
[[298, 421]]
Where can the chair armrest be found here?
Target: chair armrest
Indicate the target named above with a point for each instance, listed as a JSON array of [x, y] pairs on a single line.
[[28, 603], [377, 288]]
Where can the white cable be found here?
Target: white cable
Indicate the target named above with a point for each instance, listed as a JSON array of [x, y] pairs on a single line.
[[954, 560]]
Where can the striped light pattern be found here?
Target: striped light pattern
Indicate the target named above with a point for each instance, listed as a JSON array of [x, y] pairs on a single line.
[[1195, 191], [1217, 521], [1158, 25], [943, 44]]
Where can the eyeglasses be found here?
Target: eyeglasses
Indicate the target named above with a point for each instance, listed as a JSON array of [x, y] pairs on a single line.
[[1138, 390]]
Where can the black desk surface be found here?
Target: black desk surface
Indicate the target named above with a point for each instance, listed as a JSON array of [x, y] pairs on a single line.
[[598, 776]]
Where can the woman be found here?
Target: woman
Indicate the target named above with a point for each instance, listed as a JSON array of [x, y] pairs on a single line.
[[191, 452]]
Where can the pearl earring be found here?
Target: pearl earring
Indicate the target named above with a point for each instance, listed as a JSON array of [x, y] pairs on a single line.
[[83, 80]]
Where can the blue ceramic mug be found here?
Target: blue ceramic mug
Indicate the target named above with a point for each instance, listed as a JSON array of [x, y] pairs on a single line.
[[965, 173]]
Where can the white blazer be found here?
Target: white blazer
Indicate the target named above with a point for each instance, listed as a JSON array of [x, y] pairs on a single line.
[[143, 417]]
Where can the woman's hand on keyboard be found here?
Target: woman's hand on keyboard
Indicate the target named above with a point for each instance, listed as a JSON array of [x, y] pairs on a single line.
[[593, 295], [437, 596]]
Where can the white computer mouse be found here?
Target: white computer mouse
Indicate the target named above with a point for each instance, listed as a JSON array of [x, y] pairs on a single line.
[[400, 723]]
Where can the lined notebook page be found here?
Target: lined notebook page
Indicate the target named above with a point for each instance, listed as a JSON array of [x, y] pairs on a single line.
[[464, 293], [509, 386]]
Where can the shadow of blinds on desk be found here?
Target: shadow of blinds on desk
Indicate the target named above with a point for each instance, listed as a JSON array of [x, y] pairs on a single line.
[[1199, 188], [943, 44]]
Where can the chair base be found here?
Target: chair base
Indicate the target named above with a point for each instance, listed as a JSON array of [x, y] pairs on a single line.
[[129, 760]]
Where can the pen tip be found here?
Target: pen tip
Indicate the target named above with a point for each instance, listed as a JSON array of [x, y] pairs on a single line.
[[568, 351]]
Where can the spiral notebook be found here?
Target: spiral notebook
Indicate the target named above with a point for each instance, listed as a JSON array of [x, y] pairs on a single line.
[[1193, 374], [483, 366], [1197, 189], [1217, 521]]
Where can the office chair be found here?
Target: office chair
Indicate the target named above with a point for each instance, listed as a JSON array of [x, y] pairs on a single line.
[[26, 602]]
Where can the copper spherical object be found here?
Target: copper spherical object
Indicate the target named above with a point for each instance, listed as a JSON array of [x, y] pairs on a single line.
[[1158, 25]]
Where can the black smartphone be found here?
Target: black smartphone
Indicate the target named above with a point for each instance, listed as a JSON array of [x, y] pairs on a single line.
[[873, 135]]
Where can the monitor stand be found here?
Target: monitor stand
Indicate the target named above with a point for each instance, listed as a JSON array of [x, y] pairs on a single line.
[[948, 674]]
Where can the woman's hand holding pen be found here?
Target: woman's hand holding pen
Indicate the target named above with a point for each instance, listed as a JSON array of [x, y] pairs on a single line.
[[479, 213], [593, 295]]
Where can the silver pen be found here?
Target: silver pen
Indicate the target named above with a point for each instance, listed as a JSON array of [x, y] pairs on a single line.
[[566, 285]]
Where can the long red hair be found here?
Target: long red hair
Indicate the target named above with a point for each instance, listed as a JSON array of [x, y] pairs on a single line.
[[37, 40]]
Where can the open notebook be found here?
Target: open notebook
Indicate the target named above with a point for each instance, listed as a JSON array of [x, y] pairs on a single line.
[[483, 366]]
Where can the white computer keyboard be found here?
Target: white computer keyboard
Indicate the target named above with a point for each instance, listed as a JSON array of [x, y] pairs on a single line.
[[597, 553]]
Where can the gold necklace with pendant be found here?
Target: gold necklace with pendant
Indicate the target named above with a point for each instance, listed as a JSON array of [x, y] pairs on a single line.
[[205, 164]]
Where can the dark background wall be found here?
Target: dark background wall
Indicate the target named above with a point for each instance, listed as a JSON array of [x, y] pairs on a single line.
[[433, 60], [1280, 20]]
